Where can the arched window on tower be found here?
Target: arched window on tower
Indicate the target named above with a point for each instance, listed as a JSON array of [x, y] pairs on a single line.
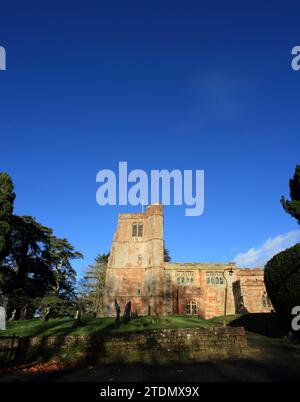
[[140, 230], [134, 230]]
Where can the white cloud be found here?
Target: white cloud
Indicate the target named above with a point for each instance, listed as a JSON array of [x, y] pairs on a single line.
[[257, 257]]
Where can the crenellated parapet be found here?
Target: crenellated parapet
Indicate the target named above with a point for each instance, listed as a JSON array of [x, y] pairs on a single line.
[[200, 265]]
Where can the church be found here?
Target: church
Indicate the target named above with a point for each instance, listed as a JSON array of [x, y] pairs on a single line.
[[136, 272]]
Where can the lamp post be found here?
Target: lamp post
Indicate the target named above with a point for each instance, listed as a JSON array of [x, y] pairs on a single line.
[[230, 271]]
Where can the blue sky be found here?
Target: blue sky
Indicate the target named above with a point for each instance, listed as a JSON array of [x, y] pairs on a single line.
[[161, 85]]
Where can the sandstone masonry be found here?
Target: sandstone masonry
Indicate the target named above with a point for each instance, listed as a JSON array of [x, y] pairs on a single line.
[[136, 272], [165, 345]]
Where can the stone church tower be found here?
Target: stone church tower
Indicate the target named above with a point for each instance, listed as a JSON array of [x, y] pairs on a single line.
[[135, 270]]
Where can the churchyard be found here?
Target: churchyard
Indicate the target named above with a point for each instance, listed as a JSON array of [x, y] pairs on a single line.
[[268, 356]]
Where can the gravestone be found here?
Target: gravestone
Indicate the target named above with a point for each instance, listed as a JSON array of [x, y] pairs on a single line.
[[118, 310], [2, 319], [47, 314], [78, 322], [127, 313], [13, 315]]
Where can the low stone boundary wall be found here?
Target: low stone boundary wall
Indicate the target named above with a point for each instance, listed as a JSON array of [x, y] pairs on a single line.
[[156, 345]]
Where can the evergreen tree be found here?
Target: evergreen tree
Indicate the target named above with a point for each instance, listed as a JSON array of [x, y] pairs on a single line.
[[282, 279], [282, 271], [35, 265], [38, 264], [91, 287], [7, 197], [167, 257], [292, 207]]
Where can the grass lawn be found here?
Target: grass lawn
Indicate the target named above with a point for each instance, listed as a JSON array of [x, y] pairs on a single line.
[[65, 326], [266, 324]]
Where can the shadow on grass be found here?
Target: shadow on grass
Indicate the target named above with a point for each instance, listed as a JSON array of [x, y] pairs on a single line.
[[267, 324], [58, 327], [89, 326], [97, 336]]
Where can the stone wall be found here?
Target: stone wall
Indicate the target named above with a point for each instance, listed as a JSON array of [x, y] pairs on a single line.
[[250, 292], [157, 345], [209, 297], [244, 286]]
